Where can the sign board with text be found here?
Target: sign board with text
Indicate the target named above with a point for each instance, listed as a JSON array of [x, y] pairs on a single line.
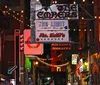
[[57, 11], [29, 47], [51, 25], [74, 59], [51, 31]]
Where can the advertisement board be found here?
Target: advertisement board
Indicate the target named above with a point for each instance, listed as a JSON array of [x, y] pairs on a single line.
[[57, 11], [51, 31], [74, 59], [51, 25], [29, 47]]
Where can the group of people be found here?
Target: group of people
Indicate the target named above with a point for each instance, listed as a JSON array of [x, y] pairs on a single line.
[[5, 83], [51, 82], [69, 83]]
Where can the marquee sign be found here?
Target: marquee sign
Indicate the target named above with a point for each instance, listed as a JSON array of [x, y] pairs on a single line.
[[57, 11], [51, 31]]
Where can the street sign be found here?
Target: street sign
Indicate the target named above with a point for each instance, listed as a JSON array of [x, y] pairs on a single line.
[[11, 69]]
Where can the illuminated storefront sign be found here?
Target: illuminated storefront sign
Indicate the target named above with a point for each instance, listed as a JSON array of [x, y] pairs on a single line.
[[51, 25], [74, 59], [29, 47], [56, 46], [51, 31], [58, 11]]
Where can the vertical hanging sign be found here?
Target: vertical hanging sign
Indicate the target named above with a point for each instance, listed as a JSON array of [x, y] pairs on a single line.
[[16, 53]]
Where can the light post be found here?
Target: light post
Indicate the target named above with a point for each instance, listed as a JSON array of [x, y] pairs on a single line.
[[90, 65], [89, 56], [35, 72], [89, 13]]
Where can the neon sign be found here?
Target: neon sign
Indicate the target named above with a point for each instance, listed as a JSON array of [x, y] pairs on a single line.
[[30, 44], [30, 47]]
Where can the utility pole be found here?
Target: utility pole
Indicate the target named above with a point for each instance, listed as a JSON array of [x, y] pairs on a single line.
[[89, 57], [89, 13]]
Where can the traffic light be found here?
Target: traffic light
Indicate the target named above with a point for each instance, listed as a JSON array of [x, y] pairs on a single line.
[[21, 42]]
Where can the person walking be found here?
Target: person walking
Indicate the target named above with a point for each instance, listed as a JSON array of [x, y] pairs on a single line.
[[75, 82], [68, 82], [52, 82]]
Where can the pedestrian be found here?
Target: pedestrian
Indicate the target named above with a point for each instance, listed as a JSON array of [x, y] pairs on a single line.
[[68, 82], [75, 82], [52, 82]]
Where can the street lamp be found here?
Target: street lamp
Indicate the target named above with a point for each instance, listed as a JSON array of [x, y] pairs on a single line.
[[36, 72], [35, 63]]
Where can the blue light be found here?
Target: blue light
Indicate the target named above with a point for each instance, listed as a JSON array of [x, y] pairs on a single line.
[[66, 27]]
